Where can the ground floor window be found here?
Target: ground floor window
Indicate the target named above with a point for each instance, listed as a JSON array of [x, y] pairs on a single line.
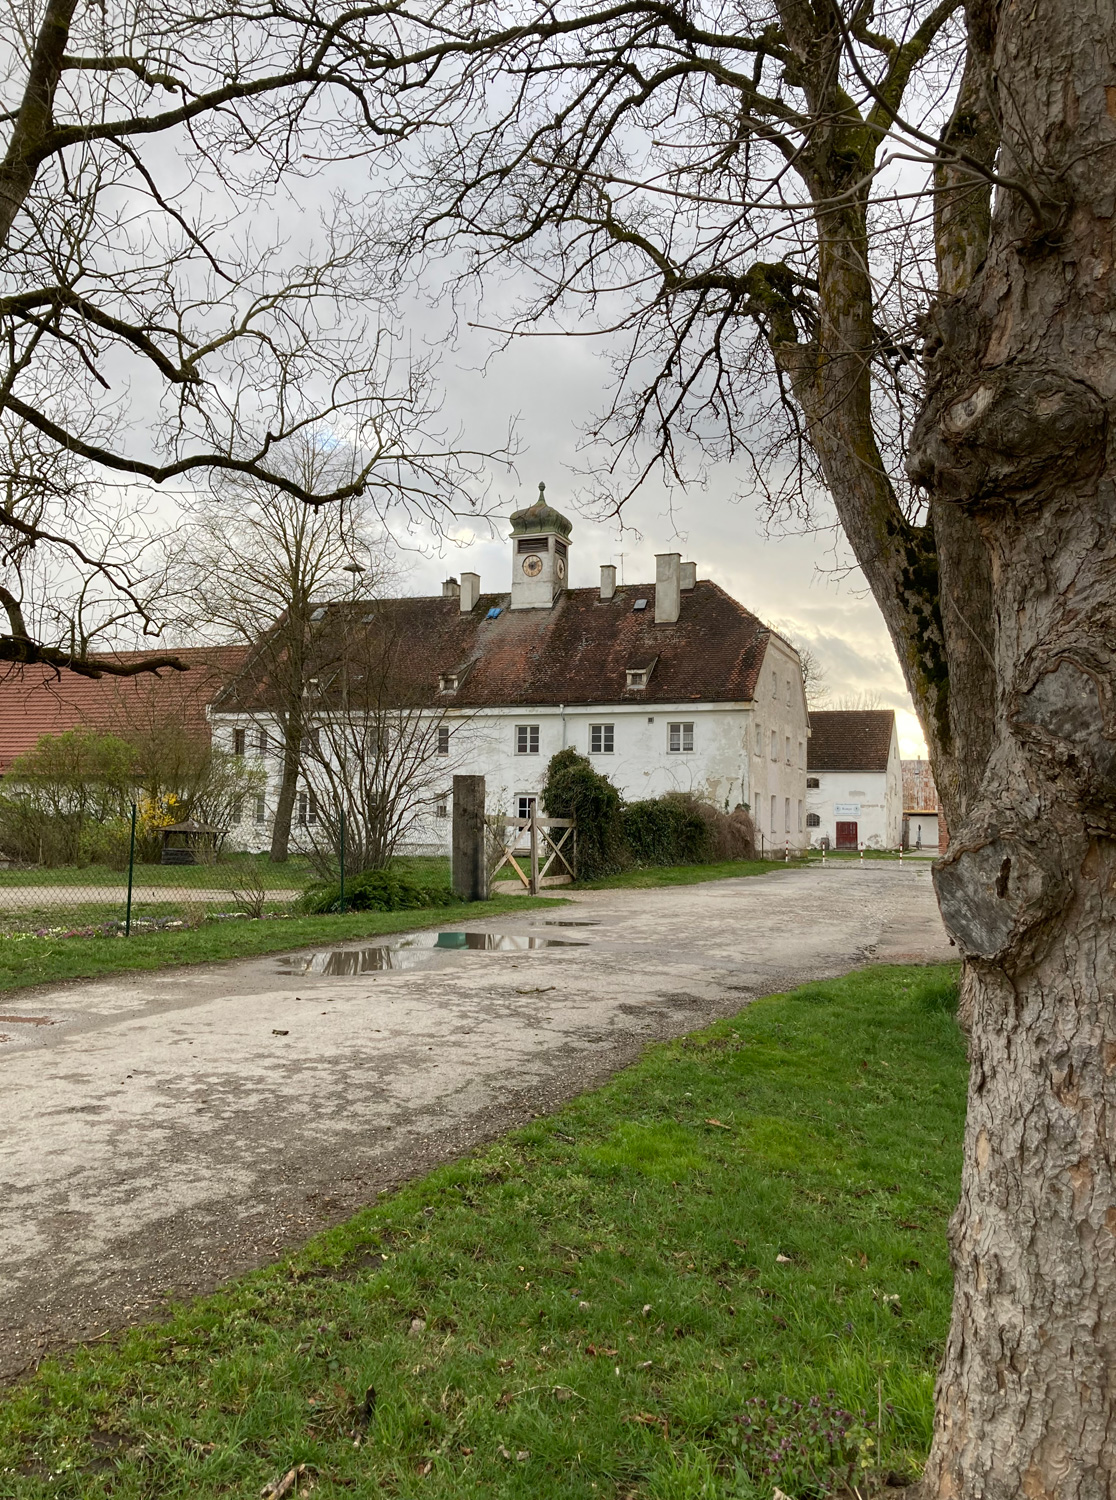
[[525, 804], [307, 807], [237, 810], [813, 820], [261, 809]]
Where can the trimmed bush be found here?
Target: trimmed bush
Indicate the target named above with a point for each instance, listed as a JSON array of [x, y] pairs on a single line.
[[667, 830], [376, 890], [575, 790]]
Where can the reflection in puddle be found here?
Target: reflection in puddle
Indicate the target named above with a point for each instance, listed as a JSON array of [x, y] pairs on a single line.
[[421, 951]]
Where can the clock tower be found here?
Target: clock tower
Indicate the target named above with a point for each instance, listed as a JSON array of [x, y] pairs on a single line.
[[540, 540]]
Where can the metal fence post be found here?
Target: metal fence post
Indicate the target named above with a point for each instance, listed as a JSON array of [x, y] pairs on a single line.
[[342, 854], [131, 872]]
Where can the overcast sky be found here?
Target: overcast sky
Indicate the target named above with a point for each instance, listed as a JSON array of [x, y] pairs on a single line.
[[798, 583]]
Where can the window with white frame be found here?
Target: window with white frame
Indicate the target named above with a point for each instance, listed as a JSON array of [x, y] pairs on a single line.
[[307, 807], [261, 741], [680, 738], [526, 740], [441, 806], [238, 810], [443, 739], [601, 739], [813, 820], [525, 804], [261, 809]]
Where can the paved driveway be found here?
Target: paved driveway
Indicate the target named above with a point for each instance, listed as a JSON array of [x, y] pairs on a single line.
[[161, 1132]]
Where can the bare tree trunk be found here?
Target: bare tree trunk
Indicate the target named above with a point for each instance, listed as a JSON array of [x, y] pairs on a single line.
[[288, 791], [1014, 440]]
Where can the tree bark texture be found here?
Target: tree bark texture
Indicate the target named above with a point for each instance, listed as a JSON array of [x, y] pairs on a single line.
[[1015, 448]]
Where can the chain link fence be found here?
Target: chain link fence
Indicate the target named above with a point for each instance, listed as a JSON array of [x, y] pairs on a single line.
[[193, 878]]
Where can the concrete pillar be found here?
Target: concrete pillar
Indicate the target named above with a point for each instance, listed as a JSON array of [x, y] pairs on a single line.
[[470, 591], [470, 851], [687, 577], [667, 592], [608, 581]]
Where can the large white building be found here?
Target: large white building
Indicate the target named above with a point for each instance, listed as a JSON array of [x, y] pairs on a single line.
[[665, 686], [854, 782]]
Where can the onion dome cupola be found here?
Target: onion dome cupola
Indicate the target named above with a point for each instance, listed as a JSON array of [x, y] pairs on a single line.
[[540, 554]]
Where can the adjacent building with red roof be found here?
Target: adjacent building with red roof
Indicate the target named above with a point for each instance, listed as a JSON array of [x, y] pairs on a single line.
[[854, 784], [36, 700]]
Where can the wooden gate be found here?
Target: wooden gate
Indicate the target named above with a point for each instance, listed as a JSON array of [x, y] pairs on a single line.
[[541, 851]]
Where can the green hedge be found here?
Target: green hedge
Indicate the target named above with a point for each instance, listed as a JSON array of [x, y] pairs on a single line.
[[376, 890], [666, 831]]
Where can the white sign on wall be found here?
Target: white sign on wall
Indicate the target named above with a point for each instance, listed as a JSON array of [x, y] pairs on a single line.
[[846, 809]]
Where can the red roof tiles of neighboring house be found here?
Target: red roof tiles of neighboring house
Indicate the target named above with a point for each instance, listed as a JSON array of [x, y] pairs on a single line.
[[854, 739], [577, 652], [36, 700]]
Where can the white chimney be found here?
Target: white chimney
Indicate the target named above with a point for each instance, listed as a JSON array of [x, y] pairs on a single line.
[[687, 577], [668, 565], [470, 591], [451, 589], [608, 581]]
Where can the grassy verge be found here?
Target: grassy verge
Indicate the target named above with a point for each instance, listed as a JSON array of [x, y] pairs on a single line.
[[724, 1272], [35, 960], [657, 875]]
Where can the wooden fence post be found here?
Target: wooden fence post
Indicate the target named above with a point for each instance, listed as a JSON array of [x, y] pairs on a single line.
[[534, 886], [470, 853]]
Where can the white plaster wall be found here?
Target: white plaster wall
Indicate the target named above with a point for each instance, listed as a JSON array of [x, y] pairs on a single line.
[[728, 764]]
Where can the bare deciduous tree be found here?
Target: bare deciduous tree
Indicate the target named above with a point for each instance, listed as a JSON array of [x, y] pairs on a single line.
[[870, 249], [380, 749], [253, 564], [151, 334]]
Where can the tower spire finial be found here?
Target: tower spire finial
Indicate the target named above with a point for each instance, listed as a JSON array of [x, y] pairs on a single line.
[[542, 489]]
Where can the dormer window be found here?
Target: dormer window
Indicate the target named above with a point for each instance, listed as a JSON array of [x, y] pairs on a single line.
[[448, 682], [638, 673]]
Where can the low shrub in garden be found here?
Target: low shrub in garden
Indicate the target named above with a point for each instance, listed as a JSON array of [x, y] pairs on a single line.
[[376, 890]]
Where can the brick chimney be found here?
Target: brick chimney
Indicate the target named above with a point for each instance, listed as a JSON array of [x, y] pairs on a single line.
[[668, 566], [470, 591], [687, 577], [608, 581]]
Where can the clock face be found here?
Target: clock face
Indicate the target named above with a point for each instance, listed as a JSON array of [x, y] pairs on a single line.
[[559, 569], [532, 565]]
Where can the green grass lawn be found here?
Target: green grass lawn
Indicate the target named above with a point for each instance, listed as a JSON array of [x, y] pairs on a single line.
[[657, 875], [28, 960], [228, 871], [737, 1240]]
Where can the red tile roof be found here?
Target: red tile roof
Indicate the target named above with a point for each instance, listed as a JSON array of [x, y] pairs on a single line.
[[855, 739], [37, 700], [578, 652]]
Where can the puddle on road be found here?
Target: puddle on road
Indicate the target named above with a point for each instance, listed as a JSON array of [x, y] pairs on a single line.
[[424, 950]]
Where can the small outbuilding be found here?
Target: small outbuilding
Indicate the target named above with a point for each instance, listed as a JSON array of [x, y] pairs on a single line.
[[191, 843], [854, 780]]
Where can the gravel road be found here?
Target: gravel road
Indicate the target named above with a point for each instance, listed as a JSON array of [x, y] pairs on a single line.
[[159, 1133]]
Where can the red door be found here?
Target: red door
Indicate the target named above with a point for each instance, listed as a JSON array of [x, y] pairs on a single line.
[[846, 835]]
